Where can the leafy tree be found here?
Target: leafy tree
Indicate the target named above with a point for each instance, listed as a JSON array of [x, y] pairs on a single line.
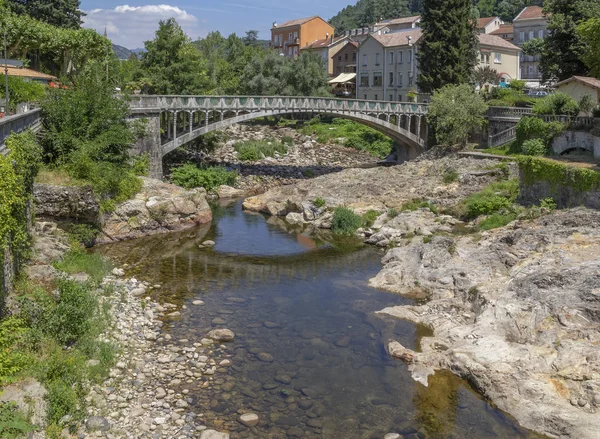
[[589, 33], [447, 49], [59, 13], [485, 75], [251, 38], [564, 49], [454, 111], [172, 63], [20, 90]]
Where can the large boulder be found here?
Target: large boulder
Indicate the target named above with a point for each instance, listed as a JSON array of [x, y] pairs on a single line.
[[221, 335]]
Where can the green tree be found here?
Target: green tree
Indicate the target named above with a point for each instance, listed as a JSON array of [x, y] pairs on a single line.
[[589, 33], [454, 112], [251, 38], [59, 13], [447, 50], [564, 49], [172, 63], [485, 75]]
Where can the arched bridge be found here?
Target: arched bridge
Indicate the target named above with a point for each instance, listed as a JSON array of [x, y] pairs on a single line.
[[174, 121]]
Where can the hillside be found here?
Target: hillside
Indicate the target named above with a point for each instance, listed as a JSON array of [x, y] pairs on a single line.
[[121, 52], [367, 12]]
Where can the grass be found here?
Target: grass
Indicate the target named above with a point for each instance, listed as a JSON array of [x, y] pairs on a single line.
[[450, 177], [253, 150], [419, 204], [495, 197], [57, 177], [319, 202], [392, 213], [79, 261], [355, 135], [345, 221], [497, 220], [368, 219]]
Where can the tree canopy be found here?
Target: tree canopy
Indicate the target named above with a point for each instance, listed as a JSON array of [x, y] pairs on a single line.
[[59, 13], [447, 50], [589, 32]]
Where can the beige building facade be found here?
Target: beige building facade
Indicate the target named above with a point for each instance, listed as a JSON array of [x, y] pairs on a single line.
[[531, 23], [579, 86], [501, 55]]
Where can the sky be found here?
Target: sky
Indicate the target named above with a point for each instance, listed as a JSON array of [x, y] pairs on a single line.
[[131, 22]]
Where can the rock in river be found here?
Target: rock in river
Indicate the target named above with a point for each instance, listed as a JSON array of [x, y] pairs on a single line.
[[249, 419], [221, 335]]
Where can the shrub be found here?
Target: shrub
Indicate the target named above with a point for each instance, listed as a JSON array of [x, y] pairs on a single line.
[[319, 202], [517, 84], [210, 177], [535, 128], [83, 234], [253, 150], [13, 423], [12, 359], [345, 221], [141, 165], [419, 204], [534, 147], [492, 199], [497, 220], [556, 104], [392, 213], [21, 90], [548, 204], [368, 219], [450, 177]]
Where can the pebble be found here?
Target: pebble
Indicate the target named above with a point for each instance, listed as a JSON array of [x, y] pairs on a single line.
[[198, 303], [249, 419]]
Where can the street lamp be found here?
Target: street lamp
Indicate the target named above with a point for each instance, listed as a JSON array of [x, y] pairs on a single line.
[[5, 75]]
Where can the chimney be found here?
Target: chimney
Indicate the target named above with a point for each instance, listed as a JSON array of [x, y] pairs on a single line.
[[274, 24]]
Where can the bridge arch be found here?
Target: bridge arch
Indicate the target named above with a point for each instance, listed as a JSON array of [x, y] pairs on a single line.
[[177, 120]]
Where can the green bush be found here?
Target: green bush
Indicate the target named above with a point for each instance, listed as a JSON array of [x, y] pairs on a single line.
[[21, 90], [556, 104], [548, 204], [141, 165], [345, 221], [530, 128], [79, 261], [13, 423], [83, 234], [319, 202], [492, 199], [189, 176], [450, 176], [517, 84], [419, 204], [392, 213], [368, 219], [13, 360], [534, 147], [253, 150], [497, 220]]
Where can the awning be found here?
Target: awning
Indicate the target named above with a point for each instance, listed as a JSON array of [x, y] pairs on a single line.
[[344, 77]]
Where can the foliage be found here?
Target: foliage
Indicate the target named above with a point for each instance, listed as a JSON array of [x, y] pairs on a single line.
[[534, 147], [536, 128], [368, 218], [345, 221], [83, 234], [455, 111], [493, 199], [556, 104], [586, 104], [12, 359], [63, 48], [13, 424], [485, 75], [210, 177], [141, 165], [79, 261], [319, 202], [20, 90], [392, 213], [535, 169], [450, 176], [59, 13], [419, 204], [517, 84], [497, 220], [510, 97], [548, 204], [447, 52], [589, 33], [355, 135], [367, 12], [564, 49], [253, 150]]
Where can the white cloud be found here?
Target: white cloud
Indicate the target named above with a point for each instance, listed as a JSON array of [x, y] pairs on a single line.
[[130, 26]]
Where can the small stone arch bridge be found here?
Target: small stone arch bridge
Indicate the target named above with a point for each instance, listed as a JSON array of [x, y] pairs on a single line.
[[174, 121]]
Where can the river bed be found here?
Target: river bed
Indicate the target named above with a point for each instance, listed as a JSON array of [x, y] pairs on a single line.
[[309, 355]]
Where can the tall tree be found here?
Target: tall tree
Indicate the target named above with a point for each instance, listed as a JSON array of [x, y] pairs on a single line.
[[59, 13], [590, 35], [251, 38], [563, 52], [448, 47]]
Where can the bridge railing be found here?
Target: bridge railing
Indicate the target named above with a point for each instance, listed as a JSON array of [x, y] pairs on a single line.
[[508, 112], [275, 103], [18, 123]]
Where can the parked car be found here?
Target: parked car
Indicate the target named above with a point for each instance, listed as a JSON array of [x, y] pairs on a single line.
[[537, 93]]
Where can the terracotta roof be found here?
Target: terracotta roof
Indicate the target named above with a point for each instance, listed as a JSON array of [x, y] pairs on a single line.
[[531, 13], [296, 22], [402, 20], [483, 22], [26, 73], [398, 38], [325, 42], [496, 41], [504, 29], [592, 82]]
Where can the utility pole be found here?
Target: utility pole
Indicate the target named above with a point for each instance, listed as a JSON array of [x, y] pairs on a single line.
[[5, 75], [107, 53]]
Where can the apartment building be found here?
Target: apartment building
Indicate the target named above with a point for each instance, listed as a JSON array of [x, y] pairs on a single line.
[[488, 25], [327, 50], [529, 24], [505, 32], [288, 38], [387, 67], [344, 61]]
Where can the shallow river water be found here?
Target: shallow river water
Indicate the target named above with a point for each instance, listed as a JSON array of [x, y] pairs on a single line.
[[309, 354]]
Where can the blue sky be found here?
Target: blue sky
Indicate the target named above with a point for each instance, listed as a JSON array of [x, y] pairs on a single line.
[[131, 22]]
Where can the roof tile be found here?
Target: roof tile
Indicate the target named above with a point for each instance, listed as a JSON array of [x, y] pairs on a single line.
[[496, 41], [531, 13], [592, 82], [297, 22], [26, 73]]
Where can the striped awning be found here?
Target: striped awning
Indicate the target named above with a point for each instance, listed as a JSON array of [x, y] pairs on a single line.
[[343, 78]]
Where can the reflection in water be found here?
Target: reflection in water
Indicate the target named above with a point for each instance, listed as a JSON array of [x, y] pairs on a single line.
[[309, 354]]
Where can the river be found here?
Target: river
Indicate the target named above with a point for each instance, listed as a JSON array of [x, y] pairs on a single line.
[[309, 354]]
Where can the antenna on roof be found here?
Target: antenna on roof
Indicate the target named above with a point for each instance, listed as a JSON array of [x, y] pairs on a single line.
[[274, 24]]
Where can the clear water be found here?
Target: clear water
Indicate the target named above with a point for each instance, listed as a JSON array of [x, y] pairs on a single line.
[[309, 354]]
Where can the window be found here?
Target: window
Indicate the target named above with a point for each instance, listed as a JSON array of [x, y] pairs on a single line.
[[276, 40], [410, 80], [541, 33], [364, 60], [364, 80], [410, 55], [530, 70], [391, 98], [290, 53], [399, 79], [340, 58], [497, 58], [377, 80], [365, 97], [295, 50], [399, 98], [400, 57], [376, 97], [377, 59], [354, 56], [345, 57], [391, 57], [521, 36], [485, 58], [391, 79], [290, 37], [295, 35], [531, 35]]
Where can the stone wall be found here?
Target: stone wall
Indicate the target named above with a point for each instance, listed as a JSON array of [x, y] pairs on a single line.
[[577, 139], [66, 202], [564, 196]]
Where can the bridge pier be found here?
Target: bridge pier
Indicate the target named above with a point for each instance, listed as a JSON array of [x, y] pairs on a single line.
[[151, 143]]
